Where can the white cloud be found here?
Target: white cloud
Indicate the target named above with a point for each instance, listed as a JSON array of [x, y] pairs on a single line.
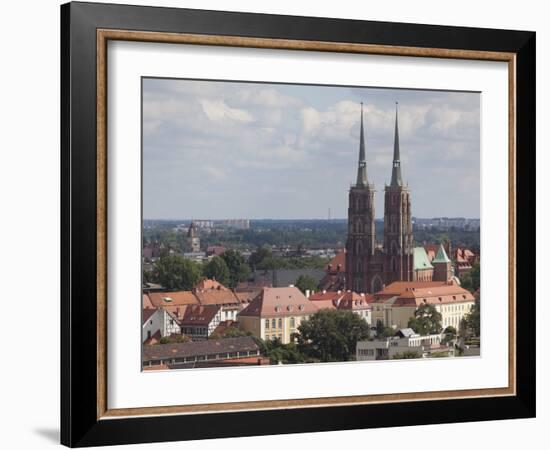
[[218, 111]]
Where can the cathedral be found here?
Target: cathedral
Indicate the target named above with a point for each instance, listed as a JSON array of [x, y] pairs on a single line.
[[370, 266]]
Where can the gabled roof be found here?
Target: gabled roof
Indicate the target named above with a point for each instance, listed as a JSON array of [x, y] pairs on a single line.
[[338, 263], [147, 314], [199, 315], [353, 300], [279, 302], [217, 297], [207, 283], [413, 294], [178, 298], [147, 302], [420, 259], [441, 256]]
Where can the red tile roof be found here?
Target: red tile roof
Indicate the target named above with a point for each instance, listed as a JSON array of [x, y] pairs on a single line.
[[279, 302], [208, 284], [353, 301], [146, 314], [178, 298], [147, 302], [338, 263], [199, 314], [217, 297], [414, 294]]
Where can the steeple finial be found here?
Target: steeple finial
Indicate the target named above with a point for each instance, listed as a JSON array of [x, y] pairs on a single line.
[[362, 169], [396, 167]]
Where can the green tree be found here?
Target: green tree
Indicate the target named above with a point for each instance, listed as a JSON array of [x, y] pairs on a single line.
[[426, 320], [278, 352], [450, 334], [217, 269], [472, 319], [379, 328], [305, 282], [471, 279], [332, 335], [176, 272], [257, 257], [238, 269]]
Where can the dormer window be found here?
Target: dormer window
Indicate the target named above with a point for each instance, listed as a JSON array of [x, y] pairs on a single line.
[[289, 307], [277, 309], [301, 307]]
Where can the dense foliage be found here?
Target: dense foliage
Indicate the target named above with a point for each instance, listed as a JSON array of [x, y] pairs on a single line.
[[175, 272], [331, 335], [305, 283], [471, 279], [426, 320], [216, 269], [471, 321]]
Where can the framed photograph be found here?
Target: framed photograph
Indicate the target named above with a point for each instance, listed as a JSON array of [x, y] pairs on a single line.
[[277, 224]]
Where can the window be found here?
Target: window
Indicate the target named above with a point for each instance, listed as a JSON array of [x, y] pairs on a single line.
[[273, 323], [280, 324], [267, 324], [292, 322]]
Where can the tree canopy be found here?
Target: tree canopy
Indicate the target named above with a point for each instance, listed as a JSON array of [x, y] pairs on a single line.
[[471, 321], [238, 269], [175, 272], [305, 282], [426, 320], [216, 269], [471, 279], [332, 335]]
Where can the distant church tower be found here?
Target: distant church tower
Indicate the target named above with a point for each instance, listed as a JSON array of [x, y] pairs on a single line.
[[443, 270], [361, 243], [193, 238], [398, 237]]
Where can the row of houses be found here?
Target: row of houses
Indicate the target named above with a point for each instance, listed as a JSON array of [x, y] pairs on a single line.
[[270, 313]]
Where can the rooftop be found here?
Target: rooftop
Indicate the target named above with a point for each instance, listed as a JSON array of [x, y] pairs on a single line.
[[199, 348]]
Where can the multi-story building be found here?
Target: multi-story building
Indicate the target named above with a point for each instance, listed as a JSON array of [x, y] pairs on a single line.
[[200, 321], [156, 324], [344, 301], [398, 302], [276, 313]]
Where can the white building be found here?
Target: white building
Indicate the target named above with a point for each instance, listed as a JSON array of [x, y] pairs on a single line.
[[158, 323], [407, 341]]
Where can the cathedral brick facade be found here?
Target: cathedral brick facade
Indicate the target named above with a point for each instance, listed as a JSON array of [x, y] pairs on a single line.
[[369, 266]]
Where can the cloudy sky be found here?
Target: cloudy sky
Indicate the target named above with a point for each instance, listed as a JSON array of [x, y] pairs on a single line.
[[249, 150]]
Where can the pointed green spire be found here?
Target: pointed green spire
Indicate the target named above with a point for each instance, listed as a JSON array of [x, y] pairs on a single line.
[[362, 169], [396, 167], [441, 256]]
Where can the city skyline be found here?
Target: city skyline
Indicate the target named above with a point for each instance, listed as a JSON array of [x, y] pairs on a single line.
[[217, 150]]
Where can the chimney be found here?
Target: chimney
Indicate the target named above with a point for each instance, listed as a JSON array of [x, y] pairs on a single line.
[[307, 293]]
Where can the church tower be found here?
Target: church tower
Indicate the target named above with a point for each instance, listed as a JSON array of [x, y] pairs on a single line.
[[360, 245], [398, 238], [193, 239], [443, 270]]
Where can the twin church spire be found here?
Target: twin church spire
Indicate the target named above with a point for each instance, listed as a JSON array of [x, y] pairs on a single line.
[[396, 179]]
